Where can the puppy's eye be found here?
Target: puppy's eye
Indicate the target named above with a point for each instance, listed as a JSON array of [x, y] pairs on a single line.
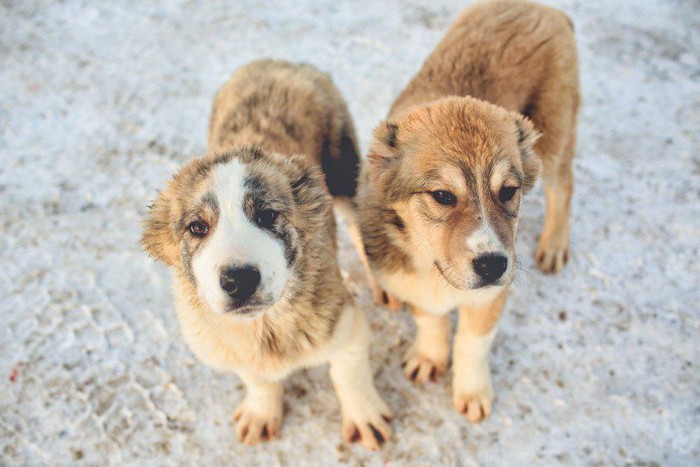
[[266, 218], [444, 197], [507, 193], [199, 228]]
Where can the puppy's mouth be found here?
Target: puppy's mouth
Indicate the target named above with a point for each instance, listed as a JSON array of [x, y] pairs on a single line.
[[444, 268], [444, 271], [248, 308], [486, 285]]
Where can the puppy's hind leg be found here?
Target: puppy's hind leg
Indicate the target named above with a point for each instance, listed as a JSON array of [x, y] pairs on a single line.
[[366, 416], [553, 248], [341, 165], [348, 211], [259, 416], [556, 119]]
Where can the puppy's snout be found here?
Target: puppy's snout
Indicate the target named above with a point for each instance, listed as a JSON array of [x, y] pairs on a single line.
[[490, 267], [240, 283]]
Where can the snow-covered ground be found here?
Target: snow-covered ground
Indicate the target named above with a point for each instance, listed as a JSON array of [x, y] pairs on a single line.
[[101, 101]]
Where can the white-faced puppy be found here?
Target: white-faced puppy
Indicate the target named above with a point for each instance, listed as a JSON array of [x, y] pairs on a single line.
[[294, 109], [440, 195], [251, 238]]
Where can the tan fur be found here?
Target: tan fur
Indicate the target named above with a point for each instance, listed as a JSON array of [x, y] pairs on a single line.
[[494, 103], [429, 354], [403, 177], [288, 108], [472, 393], [279, 106], [520, 56], [317, 320]]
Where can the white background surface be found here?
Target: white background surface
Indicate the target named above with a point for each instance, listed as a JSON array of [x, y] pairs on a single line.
[[101, 101]]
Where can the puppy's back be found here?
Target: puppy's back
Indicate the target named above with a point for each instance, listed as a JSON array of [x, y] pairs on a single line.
[[291, 109], [500, 51]]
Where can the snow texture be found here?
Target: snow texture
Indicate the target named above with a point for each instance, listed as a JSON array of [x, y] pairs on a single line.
[[101, 101]]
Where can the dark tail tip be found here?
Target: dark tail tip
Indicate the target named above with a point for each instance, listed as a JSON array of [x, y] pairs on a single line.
[[342, 171]]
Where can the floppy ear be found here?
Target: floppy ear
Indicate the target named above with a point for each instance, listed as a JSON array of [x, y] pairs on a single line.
[[383, 153], [527, 136], [157, 239]]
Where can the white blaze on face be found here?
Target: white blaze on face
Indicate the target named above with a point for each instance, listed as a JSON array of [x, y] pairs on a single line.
[[236, 242], [484, 239]]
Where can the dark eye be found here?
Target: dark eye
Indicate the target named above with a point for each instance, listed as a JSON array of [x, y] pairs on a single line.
[[444, 197], [199, 228], [266, 218], [507, 193]]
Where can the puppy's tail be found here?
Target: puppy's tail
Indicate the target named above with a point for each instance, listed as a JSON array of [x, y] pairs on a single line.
[[340, 161]]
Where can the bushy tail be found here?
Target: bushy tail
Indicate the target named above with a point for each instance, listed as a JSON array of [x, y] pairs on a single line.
[[341, 166]]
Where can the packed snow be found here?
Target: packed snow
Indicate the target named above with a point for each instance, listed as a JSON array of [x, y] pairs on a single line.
[[101, 101]]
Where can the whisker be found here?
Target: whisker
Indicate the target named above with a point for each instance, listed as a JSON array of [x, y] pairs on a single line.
[[521, 272]]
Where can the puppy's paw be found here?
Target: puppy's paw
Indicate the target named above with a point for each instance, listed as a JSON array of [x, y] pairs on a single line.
[[367, 422], [475, 406], [384, 298], [551, 255], [421, 368], [254, 425]]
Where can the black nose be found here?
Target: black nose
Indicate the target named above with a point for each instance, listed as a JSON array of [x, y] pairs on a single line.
[[490, 267], [240, 283]]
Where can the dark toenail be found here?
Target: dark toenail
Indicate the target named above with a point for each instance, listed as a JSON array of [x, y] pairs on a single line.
[[376, 433], [414, 375], [387, 418], [265, 433], [355, 436]]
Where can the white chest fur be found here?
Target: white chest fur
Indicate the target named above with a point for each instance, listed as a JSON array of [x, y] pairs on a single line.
[[228, 345]]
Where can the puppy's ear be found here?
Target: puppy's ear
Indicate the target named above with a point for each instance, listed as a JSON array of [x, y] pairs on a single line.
[[383, 153], [527, 136], [157, 239]]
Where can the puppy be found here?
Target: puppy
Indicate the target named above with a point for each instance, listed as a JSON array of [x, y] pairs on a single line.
[[256, 107], [440, 194], [251, 238]]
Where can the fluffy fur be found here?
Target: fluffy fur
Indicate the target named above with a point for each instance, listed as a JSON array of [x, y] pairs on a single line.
[[311, 318], [520, 56], [292, 109], [514, 65]]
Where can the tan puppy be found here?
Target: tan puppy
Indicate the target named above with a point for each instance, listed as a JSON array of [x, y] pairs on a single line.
[[440, 195], [251, 237]]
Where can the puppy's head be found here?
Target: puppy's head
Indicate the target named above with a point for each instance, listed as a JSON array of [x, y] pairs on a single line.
[[454, 171], [237, 227]]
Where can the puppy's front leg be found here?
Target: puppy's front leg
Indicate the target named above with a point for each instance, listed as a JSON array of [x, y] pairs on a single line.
[[471, 389], [366, 416], [428, 356], [259, 416]]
